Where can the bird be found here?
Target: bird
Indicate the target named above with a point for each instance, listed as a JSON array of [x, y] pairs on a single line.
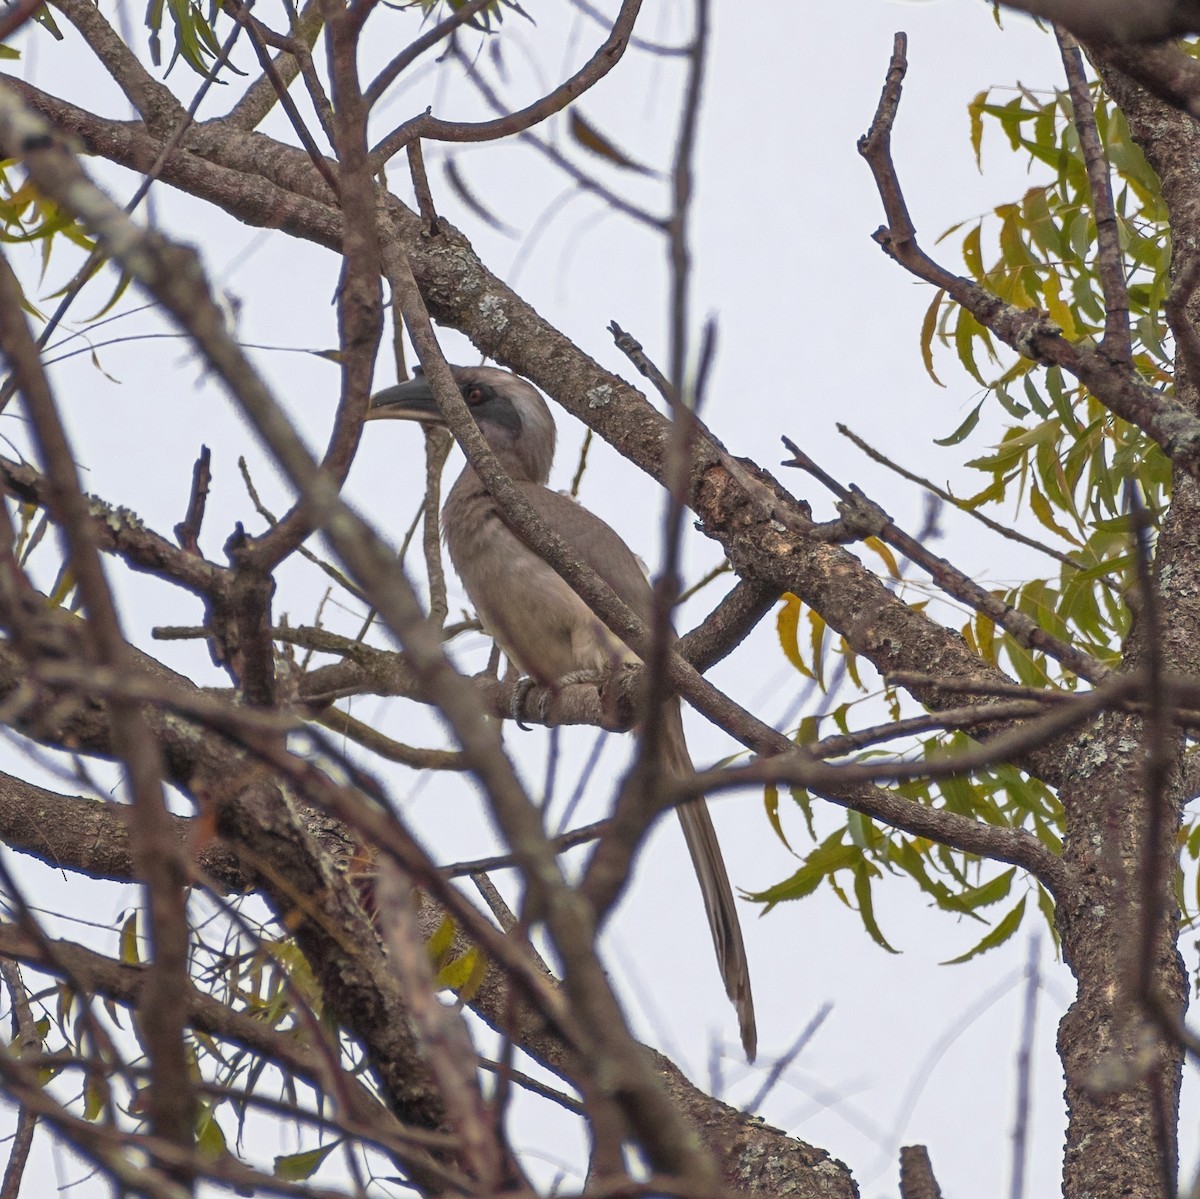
[[543, 627]]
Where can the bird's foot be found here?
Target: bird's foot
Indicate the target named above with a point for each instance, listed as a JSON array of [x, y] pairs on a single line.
[[583, 676], [520, 694], [611, 685], [520, 697]]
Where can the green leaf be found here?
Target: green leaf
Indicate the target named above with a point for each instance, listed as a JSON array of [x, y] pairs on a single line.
[[1045, 514], [822, 863], [975, 113], [972, 252], [590, 138], [866, 906], [1046, 907], [459, 185], [210, 1140], [95, 1096], [45, 18], [441, 940], [885, 553], [803, 801], [987, 893], [998, 935], [850, 659], [296, 1167], [966, 330], [965, 429], [817, 644]]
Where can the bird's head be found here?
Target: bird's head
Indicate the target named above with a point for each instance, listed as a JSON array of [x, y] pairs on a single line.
[[510, 413]]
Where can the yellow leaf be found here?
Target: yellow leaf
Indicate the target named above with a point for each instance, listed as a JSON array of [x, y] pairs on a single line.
[[928, 328], [443, 937], [1060, 312], [889, 559], [588, 136], [129, 941], [787, 625], [463, 975]]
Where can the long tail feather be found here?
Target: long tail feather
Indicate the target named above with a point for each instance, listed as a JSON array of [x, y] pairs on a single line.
[[719, 904]]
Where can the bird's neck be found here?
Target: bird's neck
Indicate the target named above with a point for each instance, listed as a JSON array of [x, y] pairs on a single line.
[[514, 463]]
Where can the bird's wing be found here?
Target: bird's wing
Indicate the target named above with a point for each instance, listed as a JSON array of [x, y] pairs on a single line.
[[603, 550], [596, 543]]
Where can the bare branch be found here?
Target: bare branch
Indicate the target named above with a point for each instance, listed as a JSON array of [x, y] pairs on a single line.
[[431, 37], [1109, 264], [294, 57], [599, 65], [916, 1174]]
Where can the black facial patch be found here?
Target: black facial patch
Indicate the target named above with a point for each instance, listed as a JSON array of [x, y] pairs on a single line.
[[494, 407]]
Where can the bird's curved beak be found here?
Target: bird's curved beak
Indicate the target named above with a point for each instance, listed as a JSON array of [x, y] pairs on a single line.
[[406, 401]]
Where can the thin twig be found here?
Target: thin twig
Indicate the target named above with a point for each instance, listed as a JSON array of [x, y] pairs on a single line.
[[562, 842], [294, 57], [784, 1061], [438, 444], [271, 72], [420, 182], [22, 1139], [370, 738], [443, 29], [1117, 343], [1158, 833], [549, 151], [599, 65], [958, 505], [187, 532], [1020, 1136], [862, 517]]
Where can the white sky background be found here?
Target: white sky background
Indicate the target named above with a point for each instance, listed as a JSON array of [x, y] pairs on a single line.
[[816, 326]]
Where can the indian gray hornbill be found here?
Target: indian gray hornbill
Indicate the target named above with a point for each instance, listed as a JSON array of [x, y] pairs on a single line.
[[546, 630]]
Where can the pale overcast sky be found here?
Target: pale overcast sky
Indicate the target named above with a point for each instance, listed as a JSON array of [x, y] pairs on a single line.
[[816, 326]]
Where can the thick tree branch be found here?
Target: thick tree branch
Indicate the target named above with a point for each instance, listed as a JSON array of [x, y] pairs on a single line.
[[1117, 20], [763, 528], [1165, 71]]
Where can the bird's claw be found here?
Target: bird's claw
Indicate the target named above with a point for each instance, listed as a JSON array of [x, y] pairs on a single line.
[[519, 695]]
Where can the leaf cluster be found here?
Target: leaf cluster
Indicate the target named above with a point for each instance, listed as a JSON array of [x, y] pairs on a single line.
[[1062, 459]]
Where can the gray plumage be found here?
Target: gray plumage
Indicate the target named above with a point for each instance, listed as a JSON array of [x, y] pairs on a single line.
[[546, 630]]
